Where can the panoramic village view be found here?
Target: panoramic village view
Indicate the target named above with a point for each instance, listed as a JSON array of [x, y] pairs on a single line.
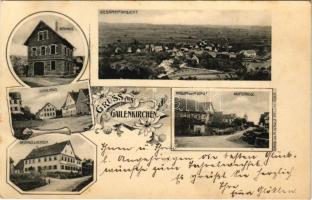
[[53, 108], [57, 167], [228, 121], [142, 46]]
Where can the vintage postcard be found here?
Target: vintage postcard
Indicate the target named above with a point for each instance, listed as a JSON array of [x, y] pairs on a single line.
[[155, 99], [222, 119], [36, 111], [184, 45]]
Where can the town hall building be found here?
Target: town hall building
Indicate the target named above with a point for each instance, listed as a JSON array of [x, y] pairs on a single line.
[[48, 53]]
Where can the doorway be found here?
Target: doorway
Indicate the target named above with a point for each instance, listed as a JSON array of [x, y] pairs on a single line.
[[39, 68]]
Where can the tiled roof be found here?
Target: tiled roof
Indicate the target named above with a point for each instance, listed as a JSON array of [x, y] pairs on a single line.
[[15, 95], [85, 92], [40, 24], [74, 95], [46, 106], [53, 149], [19, 165]]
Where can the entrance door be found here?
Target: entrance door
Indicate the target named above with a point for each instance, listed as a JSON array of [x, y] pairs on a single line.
[[39, 68]]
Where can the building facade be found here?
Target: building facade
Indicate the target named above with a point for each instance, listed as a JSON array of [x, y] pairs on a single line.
[[48, 111], [48, 53], [58, 157], [186, 108], [15, 102], [69, 107], [77, 103], [264, 120], [83, 102]]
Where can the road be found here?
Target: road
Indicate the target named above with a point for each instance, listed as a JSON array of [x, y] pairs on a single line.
[[214, 141], [61, 185], [46, 81]]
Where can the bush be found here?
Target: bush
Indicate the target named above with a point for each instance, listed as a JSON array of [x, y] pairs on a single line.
[[83, 184], [63, 175], [27, 182]]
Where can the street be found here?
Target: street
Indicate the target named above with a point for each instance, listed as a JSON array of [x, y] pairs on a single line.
[[61, 185], [46, 81], [213, 141]]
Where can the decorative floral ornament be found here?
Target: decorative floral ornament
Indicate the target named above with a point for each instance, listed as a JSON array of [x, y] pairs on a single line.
[[100, 95], [148, 126]]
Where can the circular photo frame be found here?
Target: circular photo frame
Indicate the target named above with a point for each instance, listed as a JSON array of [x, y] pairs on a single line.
[[47, 48]]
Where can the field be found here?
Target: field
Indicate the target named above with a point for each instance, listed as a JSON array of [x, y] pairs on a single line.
[[238, 36], [75, 124]]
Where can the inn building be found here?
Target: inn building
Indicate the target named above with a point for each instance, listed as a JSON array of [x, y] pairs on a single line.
[[58, 157]]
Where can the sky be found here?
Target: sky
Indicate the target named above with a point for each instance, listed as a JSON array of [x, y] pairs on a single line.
[[227, 102], [23, 31], [193, 17], [35, 98], [82, 147]]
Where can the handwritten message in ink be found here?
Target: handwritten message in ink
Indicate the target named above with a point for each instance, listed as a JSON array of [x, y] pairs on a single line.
[[224, 170]]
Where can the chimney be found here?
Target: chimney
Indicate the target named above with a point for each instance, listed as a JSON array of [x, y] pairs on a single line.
[[56, 26]]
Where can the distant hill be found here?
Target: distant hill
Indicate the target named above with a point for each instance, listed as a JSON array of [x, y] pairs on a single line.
[[151, 33]]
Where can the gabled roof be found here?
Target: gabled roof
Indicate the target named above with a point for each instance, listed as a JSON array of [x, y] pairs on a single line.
[[78, 158], [46, 106], [85, 92], [73, 95], [192, 105], [15, 95], [43, 24], [49, 150], [19, 165]]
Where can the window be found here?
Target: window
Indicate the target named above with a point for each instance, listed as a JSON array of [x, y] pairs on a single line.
[[39, 160], [50, 159], [54, 167], [62, 166], [55, 158], [43, 35], [33, 51], [43, 50], [53, 49], [45, 159], [40, 36], [53, 65], [25, 161], [50, 167]]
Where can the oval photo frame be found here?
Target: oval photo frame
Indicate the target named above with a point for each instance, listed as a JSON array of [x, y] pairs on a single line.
[[34, 62]]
